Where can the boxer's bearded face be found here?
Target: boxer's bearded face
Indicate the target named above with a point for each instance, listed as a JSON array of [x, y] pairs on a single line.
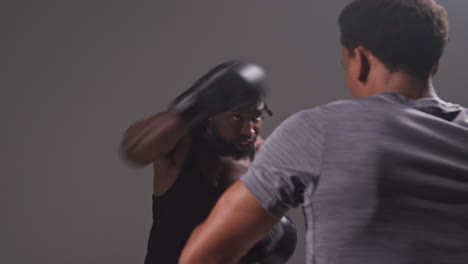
[[232, 148], [233, 134]]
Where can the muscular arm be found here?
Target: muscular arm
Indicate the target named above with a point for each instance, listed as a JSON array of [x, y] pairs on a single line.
[[152, 138], [235, 224]]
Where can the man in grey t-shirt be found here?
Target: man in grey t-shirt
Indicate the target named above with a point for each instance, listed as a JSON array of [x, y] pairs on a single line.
[[382, 178]]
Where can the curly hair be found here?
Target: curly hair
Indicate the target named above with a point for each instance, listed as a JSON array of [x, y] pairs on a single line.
[[405, 35]]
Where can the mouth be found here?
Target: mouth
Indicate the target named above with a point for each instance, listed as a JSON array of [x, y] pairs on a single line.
[[245, 144]]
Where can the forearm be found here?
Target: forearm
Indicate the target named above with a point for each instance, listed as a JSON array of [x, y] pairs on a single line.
[[153, 137], [194, 256], [235, 224]]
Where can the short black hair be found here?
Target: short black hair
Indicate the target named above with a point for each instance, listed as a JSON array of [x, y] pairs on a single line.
[[405, 35]]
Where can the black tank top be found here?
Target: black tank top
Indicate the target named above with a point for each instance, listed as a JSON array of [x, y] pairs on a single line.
[[178, 211]]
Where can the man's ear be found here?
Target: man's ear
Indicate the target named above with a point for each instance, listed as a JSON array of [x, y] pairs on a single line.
[[435, 69], [362, 55]]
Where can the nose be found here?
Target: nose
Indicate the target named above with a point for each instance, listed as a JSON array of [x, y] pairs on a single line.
[[247, 129]]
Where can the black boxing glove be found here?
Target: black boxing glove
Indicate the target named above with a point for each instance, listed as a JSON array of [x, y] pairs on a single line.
[[275, 248], [229, 85]]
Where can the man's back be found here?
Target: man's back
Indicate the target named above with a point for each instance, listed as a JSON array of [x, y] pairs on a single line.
[[380, 180], [393, 184]]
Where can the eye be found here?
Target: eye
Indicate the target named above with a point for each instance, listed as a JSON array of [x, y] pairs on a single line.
[[257, 119], [236, 117]]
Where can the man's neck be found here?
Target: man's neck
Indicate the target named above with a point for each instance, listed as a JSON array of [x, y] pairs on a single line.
[[404, 84], [221, 171]]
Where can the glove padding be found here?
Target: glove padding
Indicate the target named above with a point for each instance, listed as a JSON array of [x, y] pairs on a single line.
[[230, 85], [276, 247]]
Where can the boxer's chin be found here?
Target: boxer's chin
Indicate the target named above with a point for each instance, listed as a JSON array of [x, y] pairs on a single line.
[[242, 152], [234, 151]]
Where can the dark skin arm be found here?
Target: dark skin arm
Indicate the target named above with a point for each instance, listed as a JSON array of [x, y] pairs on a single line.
[[153, 138], [235, 224]]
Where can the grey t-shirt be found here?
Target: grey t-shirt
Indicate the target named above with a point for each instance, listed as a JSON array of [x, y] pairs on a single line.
[[381, 179]]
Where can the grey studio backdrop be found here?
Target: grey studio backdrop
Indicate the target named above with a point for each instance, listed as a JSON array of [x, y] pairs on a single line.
[[76, 74]]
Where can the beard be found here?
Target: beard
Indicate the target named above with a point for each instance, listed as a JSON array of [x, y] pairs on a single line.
[[225, 148]]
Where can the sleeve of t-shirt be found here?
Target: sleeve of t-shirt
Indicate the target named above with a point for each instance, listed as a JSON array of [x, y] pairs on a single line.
[[288, 163]]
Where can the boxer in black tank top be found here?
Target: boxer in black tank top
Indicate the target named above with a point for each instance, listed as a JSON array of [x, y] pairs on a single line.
[[198, 147], [178, 211]]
